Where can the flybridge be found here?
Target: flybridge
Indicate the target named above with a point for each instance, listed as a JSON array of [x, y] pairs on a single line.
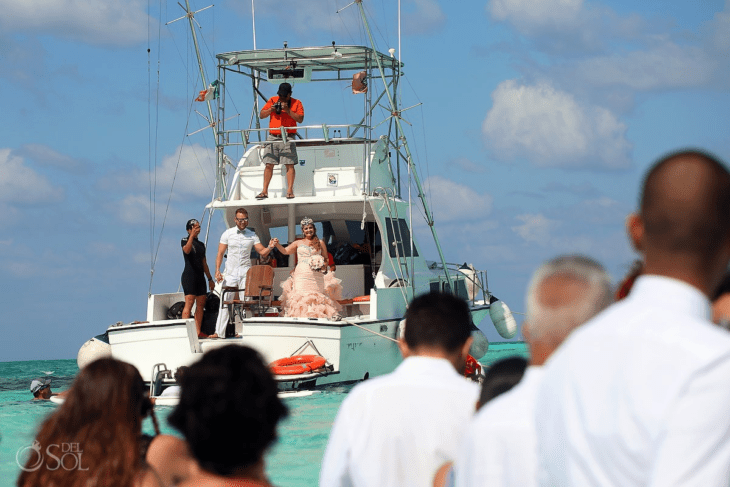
[[313, 60]]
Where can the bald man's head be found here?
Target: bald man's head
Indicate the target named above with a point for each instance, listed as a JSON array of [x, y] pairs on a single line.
[[685, 204]]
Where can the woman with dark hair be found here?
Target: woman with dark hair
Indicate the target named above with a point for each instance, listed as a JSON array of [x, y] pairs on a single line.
[[311, 291], [193, 276], [228, 412], [94, 437]]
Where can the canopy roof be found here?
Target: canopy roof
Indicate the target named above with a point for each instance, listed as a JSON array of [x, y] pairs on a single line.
[[322, 59]]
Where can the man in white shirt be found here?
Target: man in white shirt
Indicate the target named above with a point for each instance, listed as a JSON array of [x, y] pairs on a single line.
[[398, 429], [500, 448], [238, 242], [640, 395]]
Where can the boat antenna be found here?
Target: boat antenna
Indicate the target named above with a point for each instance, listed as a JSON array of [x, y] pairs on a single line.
[[409, 158], [253, 20]]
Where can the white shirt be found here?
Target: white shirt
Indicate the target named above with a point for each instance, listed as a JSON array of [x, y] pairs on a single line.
[[240, 243], [640, 395], [398, 429], [500, 447]]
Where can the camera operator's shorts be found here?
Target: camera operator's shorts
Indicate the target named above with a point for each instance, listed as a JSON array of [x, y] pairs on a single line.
[[279, 152]]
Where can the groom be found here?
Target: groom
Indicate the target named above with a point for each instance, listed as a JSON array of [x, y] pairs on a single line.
[[238, 241]]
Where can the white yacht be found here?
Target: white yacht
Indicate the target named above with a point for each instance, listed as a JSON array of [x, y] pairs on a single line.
[[349, 180]]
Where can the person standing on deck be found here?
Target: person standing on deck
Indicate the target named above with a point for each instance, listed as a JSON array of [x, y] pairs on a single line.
[[238, 242], [639, 395], [284, 111], [500, 448], [397, 429]]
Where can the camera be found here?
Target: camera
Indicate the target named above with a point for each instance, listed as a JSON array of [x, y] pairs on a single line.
[[277, 107]]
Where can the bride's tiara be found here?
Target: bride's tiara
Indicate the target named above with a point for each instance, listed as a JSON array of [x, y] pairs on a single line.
[[306, 221]]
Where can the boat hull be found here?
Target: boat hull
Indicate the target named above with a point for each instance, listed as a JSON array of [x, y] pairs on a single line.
[[354, 349]]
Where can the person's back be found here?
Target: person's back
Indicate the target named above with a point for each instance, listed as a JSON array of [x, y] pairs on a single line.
[[639, 396], [398, 429], [500, 448]]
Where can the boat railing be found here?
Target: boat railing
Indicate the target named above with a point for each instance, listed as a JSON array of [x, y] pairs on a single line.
[[316, 133]]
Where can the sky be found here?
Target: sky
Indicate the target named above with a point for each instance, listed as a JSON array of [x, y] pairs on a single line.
[[538, 120]]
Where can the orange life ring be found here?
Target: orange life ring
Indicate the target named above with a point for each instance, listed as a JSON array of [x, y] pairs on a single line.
[[298, 364], [361, 299]]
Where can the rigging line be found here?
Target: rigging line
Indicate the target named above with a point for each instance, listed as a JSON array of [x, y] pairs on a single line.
[[344, 25], [369, 331], [149, 127], [383, 38], [172, 186]]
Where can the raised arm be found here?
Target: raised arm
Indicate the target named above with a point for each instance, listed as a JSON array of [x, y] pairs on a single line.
[[289, 248], [264, 251]]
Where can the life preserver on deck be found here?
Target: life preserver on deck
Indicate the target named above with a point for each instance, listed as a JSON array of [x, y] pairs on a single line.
[[298, 364], [361, 299]]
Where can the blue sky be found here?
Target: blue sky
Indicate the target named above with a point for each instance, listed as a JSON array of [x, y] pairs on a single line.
[[538, 119]]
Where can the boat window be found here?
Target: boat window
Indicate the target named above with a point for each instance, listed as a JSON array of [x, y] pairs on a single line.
[[368, 235], [398, 232]]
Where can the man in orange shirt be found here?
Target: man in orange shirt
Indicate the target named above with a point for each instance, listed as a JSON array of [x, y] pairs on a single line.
[[285, 111]]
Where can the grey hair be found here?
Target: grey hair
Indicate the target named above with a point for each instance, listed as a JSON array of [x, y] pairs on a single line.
[[555, 324]]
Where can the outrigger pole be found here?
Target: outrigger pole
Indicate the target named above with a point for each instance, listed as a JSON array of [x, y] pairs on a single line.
[[409, 159], [220, 160]]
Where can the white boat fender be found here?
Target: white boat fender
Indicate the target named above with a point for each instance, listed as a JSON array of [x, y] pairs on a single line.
[[400, 331], [470, 274], [480, 343], [93, 349], [502, 318]]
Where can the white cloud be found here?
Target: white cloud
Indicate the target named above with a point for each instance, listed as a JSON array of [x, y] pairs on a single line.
[[134, 209], [551, 128], [535, 228], [106, 22], [529, 15], [450, 201], [422, 16], [419, 16], [46, 156], [191, 167], [20, 184], [310, 16], [666, 65]]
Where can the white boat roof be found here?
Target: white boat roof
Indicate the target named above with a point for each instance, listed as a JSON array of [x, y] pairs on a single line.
[[322, 59]]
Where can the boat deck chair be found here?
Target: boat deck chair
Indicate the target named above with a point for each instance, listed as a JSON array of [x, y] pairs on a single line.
[[257, 295]]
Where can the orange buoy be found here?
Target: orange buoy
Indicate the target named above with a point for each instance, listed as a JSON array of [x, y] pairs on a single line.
[[298, 364]]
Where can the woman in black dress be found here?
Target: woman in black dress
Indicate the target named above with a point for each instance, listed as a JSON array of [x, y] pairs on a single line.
[[193, 276]]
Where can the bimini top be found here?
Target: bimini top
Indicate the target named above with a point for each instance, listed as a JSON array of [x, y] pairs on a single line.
[[310, 59]]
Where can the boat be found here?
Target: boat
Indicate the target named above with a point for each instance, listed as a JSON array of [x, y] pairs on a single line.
[[349, 180]]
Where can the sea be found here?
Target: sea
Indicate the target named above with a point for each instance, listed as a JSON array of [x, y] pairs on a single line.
[[293, 461]]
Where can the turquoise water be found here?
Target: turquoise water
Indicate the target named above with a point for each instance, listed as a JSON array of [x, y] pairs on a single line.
[[294, 460]]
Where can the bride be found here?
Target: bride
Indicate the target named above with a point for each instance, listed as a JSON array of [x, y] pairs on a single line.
[[311, 290]]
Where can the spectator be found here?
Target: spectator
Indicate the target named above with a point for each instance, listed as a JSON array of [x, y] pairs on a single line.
[[500, 448], [398, 429], [41, 389], [100, 423], [639, 395], [228, 412], [500, 378]]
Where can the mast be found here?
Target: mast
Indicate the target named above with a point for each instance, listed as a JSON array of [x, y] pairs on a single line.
[[220, 160], [409, 157]]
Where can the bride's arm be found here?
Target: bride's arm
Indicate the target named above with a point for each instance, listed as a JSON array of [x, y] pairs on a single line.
[[289, 248]]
